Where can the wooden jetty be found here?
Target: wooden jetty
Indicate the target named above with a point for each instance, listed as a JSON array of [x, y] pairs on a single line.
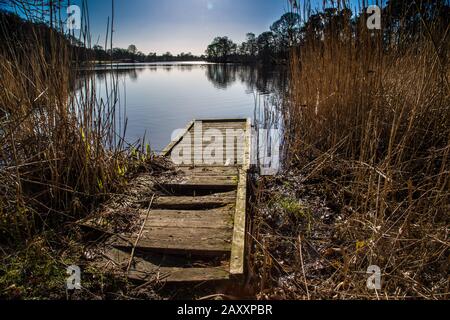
[[195, 231]]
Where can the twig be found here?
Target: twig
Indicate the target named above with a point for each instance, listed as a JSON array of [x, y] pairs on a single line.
[[280, 265], [39, 96], [303, 266], [219, 295], [158, 278], [140, 234]]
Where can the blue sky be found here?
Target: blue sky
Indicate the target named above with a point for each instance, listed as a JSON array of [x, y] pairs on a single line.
[[182, 26]]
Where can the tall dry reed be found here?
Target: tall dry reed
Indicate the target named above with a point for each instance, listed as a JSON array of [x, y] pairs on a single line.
[[369, 114], [59, 153]]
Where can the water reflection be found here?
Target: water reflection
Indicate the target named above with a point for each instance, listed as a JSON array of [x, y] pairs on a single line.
[[160, 98], [222, 76], [131, 73], [264, 80]]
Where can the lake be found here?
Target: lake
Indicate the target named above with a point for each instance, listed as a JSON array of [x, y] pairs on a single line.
[[159, 98]]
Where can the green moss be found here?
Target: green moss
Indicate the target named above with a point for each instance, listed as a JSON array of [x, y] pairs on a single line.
[[287, 184], [36, 272], [32, 273], [297, 210], [294, 207]]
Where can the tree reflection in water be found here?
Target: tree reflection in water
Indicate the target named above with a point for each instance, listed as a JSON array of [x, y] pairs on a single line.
[[261, 79]]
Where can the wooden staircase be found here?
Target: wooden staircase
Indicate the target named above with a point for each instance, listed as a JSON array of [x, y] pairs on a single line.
[[194, 231]]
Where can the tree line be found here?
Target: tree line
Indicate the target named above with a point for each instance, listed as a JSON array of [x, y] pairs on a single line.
[[269, 47], [21, 30], [132, 55], [289, 31]]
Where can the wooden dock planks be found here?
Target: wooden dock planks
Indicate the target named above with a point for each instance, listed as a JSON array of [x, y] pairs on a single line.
[[197, 138], [202, 213], [143, 270], [209, 219], [175, 240], [214, 201]]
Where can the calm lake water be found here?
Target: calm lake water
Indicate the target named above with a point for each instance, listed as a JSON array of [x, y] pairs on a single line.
[[158, 99]]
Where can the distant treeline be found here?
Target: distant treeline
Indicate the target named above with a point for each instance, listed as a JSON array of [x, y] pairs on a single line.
[[22, 30], [131, 54], [270, 47], [274, 46]]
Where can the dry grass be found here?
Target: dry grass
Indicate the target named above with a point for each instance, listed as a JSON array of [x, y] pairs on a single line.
[[369, 126], [56, 154], [376, 121], [60, 155]]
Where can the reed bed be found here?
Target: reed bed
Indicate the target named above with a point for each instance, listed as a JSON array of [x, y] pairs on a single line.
[[368, 129], [57, 153], [374, 119], [61, 154]]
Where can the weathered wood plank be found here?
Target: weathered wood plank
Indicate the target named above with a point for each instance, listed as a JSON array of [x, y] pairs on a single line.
[[195, 189], [200, 241], [145, 271], [193, 203], [248, 146], [209, 171], [237, 259], [180, 275], [220, 124], [187, 185], [207, 219], [222, 127], [203, 141], [204, 179], [238, 243], [180, 136], [221, 120], [208, 232]]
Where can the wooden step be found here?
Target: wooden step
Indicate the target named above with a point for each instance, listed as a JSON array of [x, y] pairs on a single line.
[[205, 180], [207, 219], [195, 203], [176, 240], [183, 275], [197, 185], [208, 171], [145, 271], [196, 228]]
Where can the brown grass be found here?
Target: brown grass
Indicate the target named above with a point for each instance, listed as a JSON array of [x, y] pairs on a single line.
[[58, 155], [368, 123], [61, 156]]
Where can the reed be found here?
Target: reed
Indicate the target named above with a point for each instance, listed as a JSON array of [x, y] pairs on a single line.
[[368, 114], [60, 153]]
